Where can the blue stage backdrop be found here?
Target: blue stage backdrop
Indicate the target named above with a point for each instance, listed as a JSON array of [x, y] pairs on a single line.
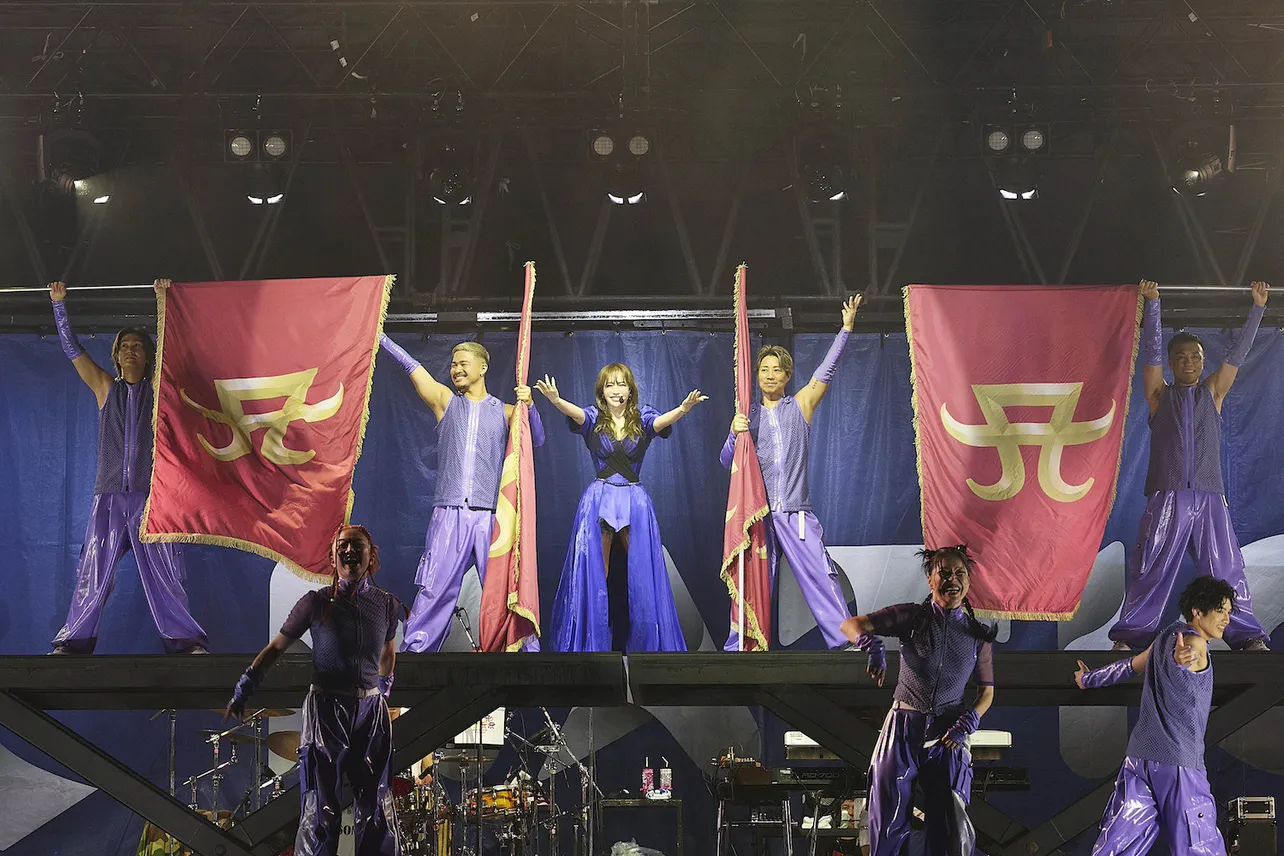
[[864, 489]]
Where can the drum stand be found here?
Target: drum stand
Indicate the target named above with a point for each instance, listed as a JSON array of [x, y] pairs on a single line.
[[171, 845]]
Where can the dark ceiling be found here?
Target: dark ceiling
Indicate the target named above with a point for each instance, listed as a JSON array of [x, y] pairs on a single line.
[[372, 93]]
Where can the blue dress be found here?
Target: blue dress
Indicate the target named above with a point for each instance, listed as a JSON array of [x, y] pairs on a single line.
[[581, 620]]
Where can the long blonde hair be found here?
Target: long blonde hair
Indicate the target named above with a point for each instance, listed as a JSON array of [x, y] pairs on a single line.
[[632, 415]]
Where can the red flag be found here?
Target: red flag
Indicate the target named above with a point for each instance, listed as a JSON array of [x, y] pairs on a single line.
[[1020, 399], [744, 531], [261, 405], [510, 594]]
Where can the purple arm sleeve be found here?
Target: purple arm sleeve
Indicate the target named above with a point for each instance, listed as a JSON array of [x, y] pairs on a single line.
[[385, 685], [300, 617], [728, 452], [399, 354], [874, 647], [966, 725], [1120, 670], [825, 371], [894, 620], [537, 428], [590, 422], [1152, 337], [984, 672], [649, 415], [1244, 339], [245, 687], [66, 335]]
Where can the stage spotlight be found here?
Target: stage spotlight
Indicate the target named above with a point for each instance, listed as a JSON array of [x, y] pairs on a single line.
[[824, 167], [625, 184], [450, 171], [603, 145], [101, 200], [1033, 139], [264, 185], [1017, 181], [239, 146], [1195, 170], [276, 145], [66, 157], [639, 145], [997, 140]]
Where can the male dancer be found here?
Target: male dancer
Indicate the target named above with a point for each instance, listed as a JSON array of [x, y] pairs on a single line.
[[120, 492], [1162, 786], [925, 734], [472, 434], [781, 430], [346, 725], [1186, 502]]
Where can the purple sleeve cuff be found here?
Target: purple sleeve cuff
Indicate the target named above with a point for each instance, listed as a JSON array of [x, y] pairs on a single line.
[[245, 687], [728, 453], [66, 335], [826, 370], [874, 647], [1244, 339], [965, 726], [1152, 337], [385, 685], [537, 427], [398, 353], [1120, 670]]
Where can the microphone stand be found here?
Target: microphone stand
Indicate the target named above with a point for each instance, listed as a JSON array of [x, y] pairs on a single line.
[[461, 615], [589, 791]]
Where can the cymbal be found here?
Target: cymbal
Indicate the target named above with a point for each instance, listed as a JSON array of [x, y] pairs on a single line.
[[285, 744], [266, 713]]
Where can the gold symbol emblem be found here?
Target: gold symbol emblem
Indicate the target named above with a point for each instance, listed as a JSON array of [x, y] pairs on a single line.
[[1008, 437], [234, 392]]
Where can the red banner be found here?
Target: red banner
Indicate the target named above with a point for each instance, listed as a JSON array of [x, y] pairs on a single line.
[[510, 594], [1020, 398], [744, 544], [261, 404]]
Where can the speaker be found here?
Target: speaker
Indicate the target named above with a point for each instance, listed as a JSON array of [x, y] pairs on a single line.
[[1250, 830]]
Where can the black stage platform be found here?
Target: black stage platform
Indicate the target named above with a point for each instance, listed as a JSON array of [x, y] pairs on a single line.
[[821, 694]]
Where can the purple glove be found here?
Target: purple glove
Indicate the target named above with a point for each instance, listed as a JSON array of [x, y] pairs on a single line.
[[728, 453], [874, 647], [245, 687], [1106, 676], [399, 354], [66, 335], [1152, 337], [967, 723], [825, 371], [1244, 339], [385, 685], [537, 428]]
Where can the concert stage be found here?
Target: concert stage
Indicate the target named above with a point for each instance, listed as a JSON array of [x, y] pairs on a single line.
[[826, 695]]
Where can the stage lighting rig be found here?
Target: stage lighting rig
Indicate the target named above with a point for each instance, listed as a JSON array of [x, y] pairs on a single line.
[[825, 169], [1014, 138], [252, 146], [450, 175], [1195, 169], [623, 153]]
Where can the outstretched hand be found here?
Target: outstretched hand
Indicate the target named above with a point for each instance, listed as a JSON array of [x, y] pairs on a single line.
[[1261, 291], [548, 386], [693, 398], [1149, 289], [849, 312], [1078, 675], [1184, 654], [57, 291]]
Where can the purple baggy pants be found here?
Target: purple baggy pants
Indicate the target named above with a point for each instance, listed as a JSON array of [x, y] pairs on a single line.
[[457, 539], [1151, 799]]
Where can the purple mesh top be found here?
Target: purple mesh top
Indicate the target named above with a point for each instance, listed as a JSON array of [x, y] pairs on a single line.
[[781, 435], [1174, 706], [125, 439], [347, 645], [1185, 442], [471, 439], [601, 445], [936, 665]]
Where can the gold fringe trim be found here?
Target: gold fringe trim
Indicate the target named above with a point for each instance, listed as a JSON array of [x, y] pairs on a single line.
[[513, 607], [918, 439], [239, 544], [156, 376], [999, 614]]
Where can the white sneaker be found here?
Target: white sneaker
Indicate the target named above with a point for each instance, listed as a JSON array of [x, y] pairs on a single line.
[[1121, 646]]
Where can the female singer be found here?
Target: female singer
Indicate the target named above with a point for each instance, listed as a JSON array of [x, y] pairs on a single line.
[[613, 509]]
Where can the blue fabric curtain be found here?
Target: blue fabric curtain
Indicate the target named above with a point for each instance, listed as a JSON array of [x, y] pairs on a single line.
[[863, 479]]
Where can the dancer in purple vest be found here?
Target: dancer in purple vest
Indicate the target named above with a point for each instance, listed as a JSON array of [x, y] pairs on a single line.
[[472, 435], [346, 726], [781, 429], [120, 492], [616, 508], [1186, 501], [925, 734], [1162, 787]]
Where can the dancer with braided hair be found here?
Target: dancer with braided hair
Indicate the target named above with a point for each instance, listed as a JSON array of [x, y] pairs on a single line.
[[1162, 787], [346, 726], [925, 734]]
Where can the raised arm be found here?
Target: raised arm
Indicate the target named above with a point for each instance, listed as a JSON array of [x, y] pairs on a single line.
[[1112, 673], [1219, 382], [434, 393], [98, 381], [809, 397], [664, 420], [537, 424], [548, 386], [1152, 345], [253, 676]]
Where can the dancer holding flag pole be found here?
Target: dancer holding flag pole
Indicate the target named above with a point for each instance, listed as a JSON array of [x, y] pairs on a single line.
[[510, 592], [781, 430]]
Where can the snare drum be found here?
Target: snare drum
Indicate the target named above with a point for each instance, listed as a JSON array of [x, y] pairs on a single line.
[[496, 802]]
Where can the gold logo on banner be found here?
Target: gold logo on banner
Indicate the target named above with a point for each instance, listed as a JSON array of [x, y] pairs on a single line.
[[234, 392], [1051, 437]]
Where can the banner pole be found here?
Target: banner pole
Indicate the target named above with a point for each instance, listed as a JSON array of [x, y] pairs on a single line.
[[740, 621]]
